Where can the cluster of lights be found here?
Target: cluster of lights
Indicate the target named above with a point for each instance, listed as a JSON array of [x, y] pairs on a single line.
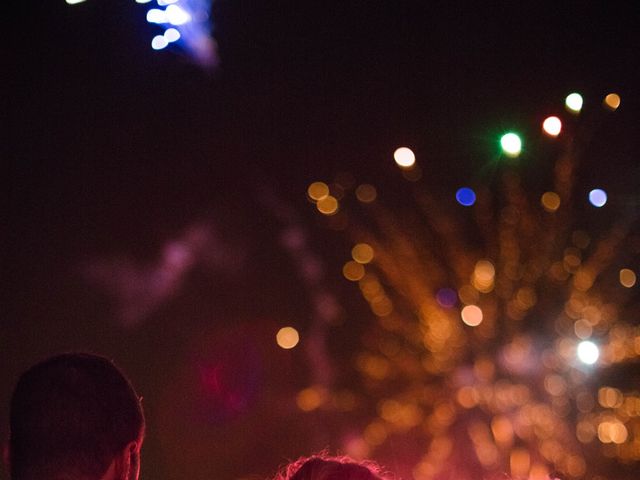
[[408, 285], [511, 145], [173, 15], [326, 203], [185, 22]]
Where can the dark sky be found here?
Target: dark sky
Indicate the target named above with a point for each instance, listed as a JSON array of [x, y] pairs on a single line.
[[111, 148]]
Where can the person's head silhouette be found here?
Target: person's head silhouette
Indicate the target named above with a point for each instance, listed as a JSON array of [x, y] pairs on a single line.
[[75, 416], [324, 467]]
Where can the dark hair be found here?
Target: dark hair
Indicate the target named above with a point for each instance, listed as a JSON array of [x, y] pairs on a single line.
[[70, 416], [325, 467]]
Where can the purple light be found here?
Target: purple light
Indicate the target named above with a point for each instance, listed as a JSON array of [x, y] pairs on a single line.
[[447, 297]]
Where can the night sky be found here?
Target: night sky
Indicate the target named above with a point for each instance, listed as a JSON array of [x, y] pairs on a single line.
[[112, 151]]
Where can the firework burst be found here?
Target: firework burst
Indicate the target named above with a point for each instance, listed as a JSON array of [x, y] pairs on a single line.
[[500, 325]]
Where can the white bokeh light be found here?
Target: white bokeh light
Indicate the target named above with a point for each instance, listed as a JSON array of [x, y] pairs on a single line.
[[176, 15], [588, 352], [404, 157], [159, 42], [574, 102]]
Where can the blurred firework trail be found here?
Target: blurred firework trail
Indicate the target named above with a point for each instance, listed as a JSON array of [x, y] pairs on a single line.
[[500, 326]]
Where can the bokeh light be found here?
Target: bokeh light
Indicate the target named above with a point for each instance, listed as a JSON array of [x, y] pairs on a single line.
[[627, 277], [287, 337], [550, 201], [612, 101], [362, 253], [447, 297], [466, 196], [193, 21], [328, 205], [404, 157], [588, 352], [598, 197], [353, 271], [176, 15], [552, 126], [318, 191], [495, 304], [574, 102], [366, 193], [472, 315], [155, 15], [310, 398], [483, 276], [159, 42], [172, 35], [511, 144], [412, 174]]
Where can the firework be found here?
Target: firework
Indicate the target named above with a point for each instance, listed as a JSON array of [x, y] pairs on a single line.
[[500, 325]]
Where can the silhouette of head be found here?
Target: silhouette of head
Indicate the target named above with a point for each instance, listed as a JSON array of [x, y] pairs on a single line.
[[324, 467], [75, 416]]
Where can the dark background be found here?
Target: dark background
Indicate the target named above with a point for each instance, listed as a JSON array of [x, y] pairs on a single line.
[[112, 149]]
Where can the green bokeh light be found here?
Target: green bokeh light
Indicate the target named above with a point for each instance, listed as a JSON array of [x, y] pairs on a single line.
[[511, 144]]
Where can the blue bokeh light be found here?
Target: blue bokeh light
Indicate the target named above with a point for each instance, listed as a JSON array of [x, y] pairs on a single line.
[[598, 197], [466, 196]]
